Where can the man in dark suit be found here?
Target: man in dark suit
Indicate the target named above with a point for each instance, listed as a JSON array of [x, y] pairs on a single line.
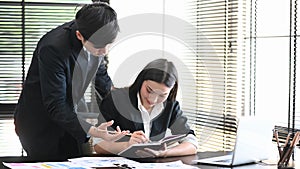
[[64, 62]]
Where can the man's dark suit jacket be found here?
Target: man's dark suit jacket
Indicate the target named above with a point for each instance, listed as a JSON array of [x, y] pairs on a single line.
[[45, 111], [116, 107]]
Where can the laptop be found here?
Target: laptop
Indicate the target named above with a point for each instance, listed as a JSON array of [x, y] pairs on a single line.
[[253, 144]]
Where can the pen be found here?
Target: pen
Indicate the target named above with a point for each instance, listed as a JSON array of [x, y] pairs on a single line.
[[288, 150], [287, 139], [112, 132], [277, 140], [286, 146], [294, 143]]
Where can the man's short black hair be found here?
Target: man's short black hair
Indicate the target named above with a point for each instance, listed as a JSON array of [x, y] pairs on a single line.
[[97, 22], [107, 1]]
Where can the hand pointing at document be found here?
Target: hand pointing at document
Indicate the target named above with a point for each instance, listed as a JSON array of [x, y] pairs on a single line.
[[102, 132]]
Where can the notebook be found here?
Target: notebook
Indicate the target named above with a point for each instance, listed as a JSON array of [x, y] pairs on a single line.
[[130, 152], [253, 144]]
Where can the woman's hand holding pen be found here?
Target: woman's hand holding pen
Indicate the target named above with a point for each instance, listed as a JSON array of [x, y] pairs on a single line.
[[102, 132], [138, 137]]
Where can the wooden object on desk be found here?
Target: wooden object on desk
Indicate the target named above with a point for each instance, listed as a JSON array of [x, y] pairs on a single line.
[[288, 150]]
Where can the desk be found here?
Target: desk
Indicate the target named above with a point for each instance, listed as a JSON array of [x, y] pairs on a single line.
[[184, 159], [189, 159]]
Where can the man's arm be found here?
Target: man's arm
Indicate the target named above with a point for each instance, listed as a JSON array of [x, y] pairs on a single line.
[[58, 102]]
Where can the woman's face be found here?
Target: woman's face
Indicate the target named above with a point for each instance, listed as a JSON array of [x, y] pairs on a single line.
[[152, 93]]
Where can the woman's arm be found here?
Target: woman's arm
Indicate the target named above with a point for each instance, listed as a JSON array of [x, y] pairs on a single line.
[[178, 124], [186, 147], [108, 147]]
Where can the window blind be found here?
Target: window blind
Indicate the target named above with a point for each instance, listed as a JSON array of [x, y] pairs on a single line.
[[276, 89], [218, 71], [22, 25], [10, 52]]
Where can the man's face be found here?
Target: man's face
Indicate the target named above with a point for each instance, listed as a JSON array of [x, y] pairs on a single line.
[[96, 51]]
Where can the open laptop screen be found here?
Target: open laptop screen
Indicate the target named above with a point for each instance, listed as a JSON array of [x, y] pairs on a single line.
[[253, 143]]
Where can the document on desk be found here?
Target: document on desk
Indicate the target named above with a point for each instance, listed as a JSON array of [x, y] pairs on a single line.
[[43, 165], [130, 152], [78, 163], [166, 165], [98, 162]]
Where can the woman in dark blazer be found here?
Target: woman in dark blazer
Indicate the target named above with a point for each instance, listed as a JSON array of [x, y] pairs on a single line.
[[45, 118], [147, 109]]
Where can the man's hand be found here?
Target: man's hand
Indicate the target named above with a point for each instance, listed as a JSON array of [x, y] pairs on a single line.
[[102, 132]]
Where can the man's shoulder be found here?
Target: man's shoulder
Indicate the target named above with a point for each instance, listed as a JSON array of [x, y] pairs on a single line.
[[58, 36], [58, 40]]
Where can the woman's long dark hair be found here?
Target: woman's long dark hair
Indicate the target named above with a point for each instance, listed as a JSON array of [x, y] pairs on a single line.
[[160, 71]]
